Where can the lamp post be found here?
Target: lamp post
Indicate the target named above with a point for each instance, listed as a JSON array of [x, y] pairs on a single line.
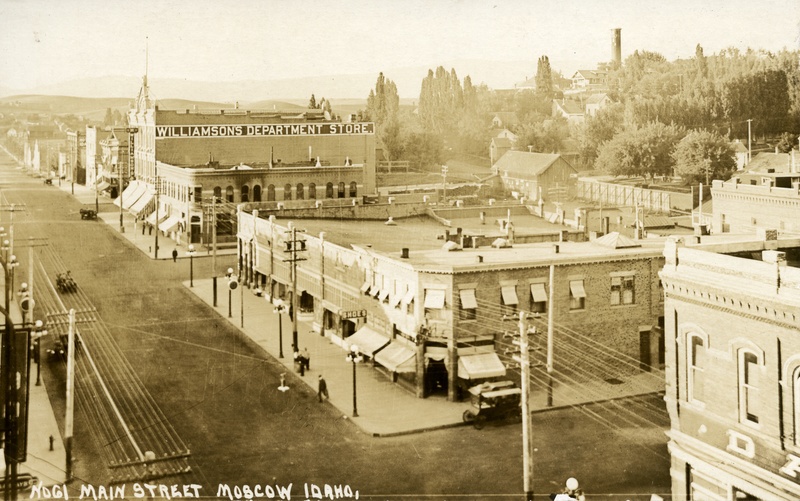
[[191, 252], [231, 285], [355, 357], [38, 333], [280, 308]]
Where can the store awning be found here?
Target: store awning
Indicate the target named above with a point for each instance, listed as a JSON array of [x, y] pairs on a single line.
[[169, 224], [468, 301], [129, 200], [367, 340], [576, 288], [141, 204], [152, 218], [102, 185], [538, 293], [127, 193], [397, 358], [509, 293], [434, 298], [481, 366]]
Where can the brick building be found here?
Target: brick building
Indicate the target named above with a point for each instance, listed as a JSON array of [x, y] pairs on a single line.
[[433, 308], [744, 208], [732, 315], [184, 158]]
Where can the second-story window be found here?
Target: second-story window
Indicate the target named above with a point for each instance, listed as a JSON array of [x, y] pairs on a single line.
[[577, 295], [508, 298], [622, 290], [749, 398], [695, 364], [469, 305], [538, 298]]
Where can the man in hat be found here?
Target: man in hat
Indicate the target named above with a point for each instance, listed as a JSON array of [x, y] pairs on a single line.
[[323, 389]]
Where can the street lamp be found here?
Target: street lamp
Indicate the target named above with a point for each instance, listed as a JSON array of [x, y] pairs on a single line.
[[232, 284], [355, 357], [38, 333], [280, 308], [191, 252]]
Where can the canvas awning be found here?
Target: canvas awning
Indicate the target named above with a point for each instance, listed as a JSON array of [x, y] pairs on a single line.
[[152, 218], [481, 366], [141, 203], [367, 340], [169, 224], [408, 297], [576, 288], [397, 358], [538, 293], [127, 193], [102, 185], [509, 293], [135, 195], [468, 301], [383, 295], [434, 298]]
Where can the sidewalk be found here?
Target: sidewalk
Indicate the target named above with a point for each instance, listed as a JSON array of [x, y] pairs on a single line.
[[384, 408]]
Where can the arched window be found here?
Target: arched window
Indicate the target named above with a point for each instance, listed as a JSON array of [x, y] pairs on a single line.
[[245, 193], [300, 191], [257, 193], [750, 365], [695, 366], [271, 193], [329, 190], [229, 194], [353, 189], [287, 192], [312, 191], [341, 190], [218, 193]]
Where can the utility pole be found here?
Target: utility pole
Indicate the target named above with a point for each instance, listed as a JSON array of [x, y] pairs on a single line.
[[157, 204], [444, 183], [749, 143], [550, 308], [527, 442], [214, 246], [70, 393], [293, 246]]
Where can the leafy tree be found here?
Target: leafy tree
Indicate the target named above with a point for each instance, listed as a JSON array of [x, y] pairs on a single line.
[[787, 142], [109, 118], [544, 78], [702, 156], [762, 96], [544, 137], [118, 118], [424, 149], [312, 103], [598, 129], [391, 137], [642, 152]]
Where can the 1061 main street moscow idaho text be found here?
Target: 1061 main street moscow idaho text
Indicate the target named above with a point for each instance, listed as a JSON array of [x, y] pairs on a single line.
[[179, 491]]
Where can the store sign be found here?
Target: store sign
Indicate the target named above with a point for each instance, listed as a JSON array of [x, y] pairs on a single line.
[[354, 314], [263, 130]]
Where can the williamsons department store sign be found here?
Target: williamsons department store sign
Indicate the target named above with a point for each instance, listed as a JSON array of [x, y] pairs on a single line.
[[263, 130]]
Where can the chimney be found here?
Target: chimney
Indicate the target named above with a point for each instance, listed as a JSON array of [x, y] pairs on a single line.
[[616, 46], [404, 253]]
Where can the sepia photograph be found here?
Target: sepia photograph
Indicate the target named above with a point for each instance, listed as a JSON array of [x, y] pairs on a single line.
[[536, 250]]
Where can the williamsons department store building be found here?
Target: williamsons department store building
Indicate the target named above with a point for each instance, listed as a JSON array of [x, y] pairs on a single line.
[[182, 160]]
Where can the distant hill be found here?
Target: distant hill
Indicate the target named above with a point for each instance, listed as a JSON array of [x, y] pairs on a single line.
[[495, 74]]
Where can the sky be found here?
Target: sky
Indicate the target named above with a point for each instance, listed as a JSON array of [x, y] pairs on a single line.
[[47, 41]]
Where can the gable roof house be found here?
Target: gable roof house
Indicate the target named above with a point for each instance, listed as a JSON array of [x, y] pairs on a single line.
[[596, 102], [505, 119], [534, 175], [498, 147], [570, 109]]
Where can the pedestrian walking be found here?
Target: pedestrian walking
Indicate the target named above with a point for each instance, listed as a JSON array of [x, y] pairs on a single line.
[[175, 255], [305, 356], [323, 389]]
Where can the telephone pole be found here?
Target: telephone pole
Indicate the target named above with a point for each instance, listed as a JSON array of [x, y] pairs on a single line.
[[294, 246], [749, 143], [527, 439]]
